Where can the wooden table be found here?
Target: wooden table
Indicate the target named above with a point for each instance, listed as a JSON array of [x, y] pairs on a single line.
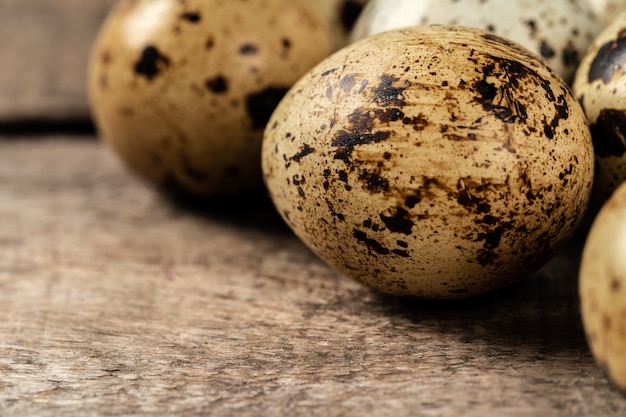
[[44, 55], [118, 300]]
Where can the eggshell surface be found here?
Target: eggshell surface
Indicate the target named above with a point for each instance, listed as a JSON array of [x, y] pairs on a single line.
[[607, 10], [558, 30], [182, 90], [602, 288], [435, 162], [600, 85]]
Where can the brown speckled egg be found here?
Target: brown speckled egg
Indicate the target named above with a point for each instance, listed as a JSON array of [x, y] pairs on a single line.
[[558, 30], [439, 162], [602, 287], [182, 90], [600, 85]]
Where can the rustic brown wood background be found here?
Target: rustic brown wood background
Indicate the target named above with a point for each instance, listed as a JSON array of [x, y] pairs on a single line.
[[43, 56], [118, 300]]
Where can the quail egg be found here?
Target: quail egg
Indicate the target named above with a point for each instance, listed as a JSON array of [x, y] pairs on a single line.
[[607, 10], [600, 85], [602, 287], [559, 30], [182, 90], [435, 162]]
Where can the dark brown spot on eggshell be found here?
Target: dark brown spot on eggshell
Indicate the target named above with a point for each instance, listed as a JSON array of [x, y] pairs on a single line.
[[374, 182], [419, 122], [305, 151], [345, 142], [608, 60], [412, 200], [328, 72], [486, 257], [217, 85], [504, 99], [347, 83], [151, 62], [389, 91], [372, 244], [546, 50], [491, 238], [570, 56], [106, 57], [472, 197], [248, 49], [401, 252], [616, 285], [361, 120], [192, 17], [399, 221], [333, 213]]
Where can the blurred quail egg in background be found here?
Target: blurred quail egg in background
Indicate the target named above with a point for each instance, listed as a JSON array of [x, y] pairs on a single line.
[[600, 86], [602, 287], [436, 161], [558, 30], [607, 10], [182, 90]]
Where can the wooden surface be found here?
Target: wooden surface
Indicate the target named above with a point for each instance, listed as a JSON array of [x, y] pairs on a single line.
[[43, 57], [119, 301], [116, 300]]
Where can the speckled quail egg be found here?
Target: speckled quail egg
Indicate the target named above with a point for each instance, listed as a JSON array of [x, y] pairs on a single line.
[[607, 10], [600, 85], [435, 162], [602, 287], [182, 90], [559, 30]]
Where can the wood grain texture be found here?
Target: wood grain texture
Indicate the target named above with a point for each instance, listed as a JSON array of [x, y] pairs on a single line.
[[119, 301], [44, 57]]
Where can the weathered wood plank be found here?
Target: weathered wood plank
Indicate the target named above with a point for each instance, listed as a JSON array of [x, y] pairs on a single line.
[[43, 56], [115, 300]]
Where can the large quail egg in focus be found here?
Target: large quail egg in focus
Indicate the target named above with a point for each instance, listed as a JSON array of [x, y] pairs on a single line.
[[558, 30], [436, 161], [182, 90], [600, 85]]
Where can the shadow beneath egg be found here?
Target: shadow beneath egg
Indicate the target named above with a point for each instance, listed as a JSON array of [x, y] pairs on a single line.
[[537, 318], [253, 210]]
